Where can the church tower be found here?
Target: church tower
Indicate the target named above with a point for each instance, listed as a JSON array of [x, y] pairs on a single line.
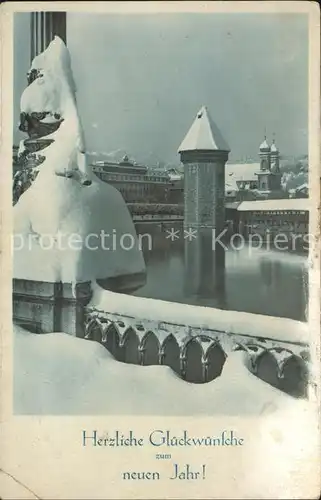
[[275, 158], [269, 176], [265, 155], [275, 168], [265, 166]]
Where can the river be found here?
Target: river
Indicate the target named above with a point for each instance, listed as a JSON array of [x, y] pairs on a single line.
[[255, 280]]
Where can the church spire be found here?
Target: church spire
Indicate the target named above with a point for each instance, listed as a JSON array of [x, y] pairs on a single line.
[[264, 147]]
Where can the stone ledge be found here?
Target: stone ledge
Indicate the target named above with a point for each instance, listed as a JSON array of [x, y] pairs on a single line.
[[46, 307]]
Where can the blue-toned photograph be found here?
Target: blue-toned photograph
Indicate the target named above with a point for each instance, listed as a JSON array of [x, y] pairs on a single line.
[[161, 213]]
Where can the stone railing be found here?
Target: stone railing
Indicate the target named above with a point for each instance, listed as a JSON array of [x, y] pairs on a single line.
[[197, 355]]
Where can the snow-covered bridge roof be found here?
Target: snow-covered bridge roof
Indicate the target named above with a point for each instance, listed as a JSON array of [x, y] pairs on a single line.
[[295, 204]]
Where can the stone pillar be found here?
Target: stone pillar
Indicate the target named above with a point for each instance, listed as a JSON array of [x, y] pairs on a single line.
[[43, 307], [44, 26]]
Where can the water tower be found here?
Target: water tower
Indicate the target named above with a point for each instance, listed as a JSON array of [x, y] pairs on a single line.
[[204, 153]]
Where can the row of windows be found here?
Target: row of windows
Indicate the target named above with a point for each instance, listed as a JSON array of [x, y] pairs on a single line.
[[274, 222], [246, 185], [136, 189], [137, 178], [280, 212], [272, 217]]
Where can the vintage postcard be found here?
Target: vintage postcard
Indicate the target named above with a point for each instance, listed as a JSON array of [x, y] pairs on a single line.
[[160, 250]]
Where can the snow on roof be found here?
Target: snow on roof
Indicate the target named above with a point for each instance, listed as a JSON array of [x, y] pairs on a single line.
[[203, 135], [302, 186], [303, 204], [174, 177], [240, 172], [232, 205], [274, 148]]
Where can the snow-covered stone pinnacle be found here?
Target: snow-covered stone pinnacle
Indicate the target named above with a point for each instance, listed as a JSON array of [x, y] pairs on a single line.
[[69, 224]]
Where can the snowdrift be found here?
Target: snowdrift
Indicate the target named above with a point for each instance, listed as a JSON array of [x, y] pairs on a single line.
[[59, 374]]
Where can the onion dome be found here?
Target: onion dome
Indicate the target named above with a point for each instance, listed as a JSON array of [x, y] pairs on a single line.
[[274, 148]]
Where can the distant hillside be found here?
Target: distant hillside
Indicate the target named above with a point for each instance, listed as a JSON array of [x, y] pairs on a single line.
[[295, 165], [114, 156], [295, 172]]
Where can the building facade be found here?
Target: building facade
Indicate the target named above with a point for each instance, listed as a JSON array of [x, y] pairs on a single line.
[[254, 181], [137, 183], [241, 181]]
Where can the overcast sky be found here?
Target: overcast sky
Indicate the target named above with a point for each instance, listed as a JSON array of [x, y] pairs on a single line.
[[142, 78]]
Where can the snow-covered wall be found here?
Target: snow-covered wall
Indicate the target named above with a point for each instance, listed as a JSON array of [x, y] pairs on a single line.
[[59, 374]]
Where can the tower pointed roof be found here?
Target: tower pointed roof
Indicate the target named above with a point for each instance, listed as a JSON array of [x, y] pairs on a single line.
[[203, 135]]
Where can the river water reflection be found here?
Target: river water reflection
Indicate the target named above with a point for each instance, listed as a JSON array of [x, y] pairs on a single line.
[[255, 280]]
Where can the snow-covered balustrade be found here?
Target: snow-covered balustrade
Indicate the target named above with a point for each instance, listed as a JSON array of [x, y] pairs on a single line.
[[195, 341]]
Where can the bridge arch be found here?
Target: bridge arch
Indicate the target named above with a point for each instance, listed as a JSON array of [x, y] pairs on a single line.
[[94, 330], [214, 359], [193, 367], [294, 376], [113, 342], [266, 368], [130, 347], [170, 353], [150, 349]]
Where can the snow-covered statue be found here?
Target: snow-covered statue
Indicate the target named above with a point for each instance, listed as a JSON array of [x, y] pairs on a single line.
[[69, 226]]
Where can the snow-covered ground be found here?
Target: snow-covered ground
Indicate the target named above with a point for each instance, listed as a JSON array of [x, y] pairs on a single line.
[[56, 373]]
